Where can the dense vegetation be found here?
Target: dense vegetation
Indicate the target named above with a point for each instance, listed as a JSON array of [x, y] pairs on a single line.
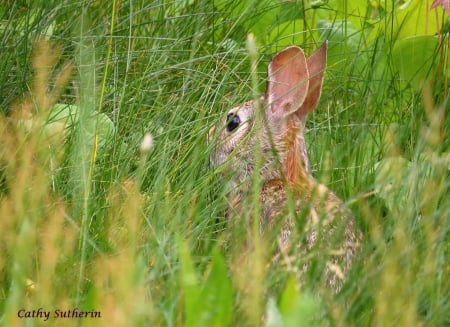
[[108, 201]]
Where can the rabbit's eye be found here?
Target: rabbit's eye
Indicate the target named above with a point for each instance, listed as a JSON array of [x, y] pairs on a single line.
[[233, 122]]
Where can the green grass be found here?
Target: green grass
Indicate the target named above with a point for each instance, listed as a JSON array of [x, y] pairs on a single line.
[[89, 221]]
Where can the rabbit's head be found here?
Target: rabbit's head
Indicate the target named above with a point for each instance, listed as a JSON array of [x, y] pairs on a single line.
[[271, 130], [293, 89]]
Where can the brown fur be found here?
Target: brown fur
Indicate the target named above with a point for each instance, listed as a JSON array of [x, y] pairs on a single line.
[[294, 164], [327, 227]]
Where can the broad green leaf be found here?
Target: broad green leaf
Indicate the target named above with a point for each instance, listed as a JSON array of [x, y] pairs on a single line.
[[416, 18], [412, 18], [64, 116], [263, 17], [281, 21], [62, 112], [59, 119], [353, 11], [105, 129], [299, 308], [234, 7], [344, 48], [286, 34], [387, 5], [273, 315], [189, 284], [210, 304], [340, 31], [414, 58], [217, 295]]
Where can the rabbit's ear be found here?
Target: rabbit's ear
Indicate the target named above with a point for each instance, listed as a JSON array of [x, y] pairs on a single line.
[[316, 67], [288, 82]]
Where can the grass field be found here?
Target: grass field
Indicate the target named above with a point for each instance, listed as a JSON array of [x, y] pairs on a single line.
[[110, 213]]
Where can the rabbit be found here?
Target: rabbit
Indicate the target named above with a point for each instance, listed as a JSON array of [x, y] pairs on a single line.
[[293, 89]]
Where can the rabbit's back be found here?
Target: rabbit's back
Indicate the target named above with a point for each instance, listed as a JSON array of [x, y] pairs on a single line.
[[315, 225]]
